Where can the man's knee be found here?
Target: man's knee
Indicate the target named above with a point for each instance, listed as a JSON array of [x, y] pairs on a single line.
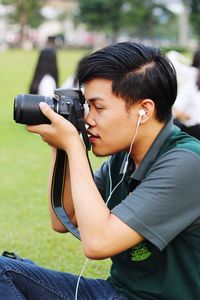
[[9, 264]]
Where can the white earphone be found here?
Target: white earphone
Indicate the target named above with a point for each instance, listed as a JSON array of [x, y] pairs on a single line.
[[142, 112]]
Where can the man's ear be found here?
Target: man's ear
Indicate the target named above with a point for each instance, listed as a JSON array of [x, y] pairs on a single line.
[[148, 106]]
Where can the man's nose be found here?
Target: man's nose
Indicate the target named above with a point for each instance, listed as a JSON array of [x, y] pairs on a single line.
[[89, 120]]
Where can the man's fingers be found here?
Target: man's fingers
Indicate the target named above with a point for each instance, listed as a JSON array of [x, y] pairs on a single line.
[[50, 114], [40, 129], [47, 111]]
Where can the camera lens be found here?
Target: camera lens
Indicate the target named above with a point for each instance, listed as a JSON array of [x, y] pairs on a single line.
[[27, 110]]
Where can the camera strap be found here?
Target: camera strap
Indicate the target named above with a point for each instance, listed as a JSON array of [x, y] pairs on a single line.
[[57, 192], [58, 183], [59, 174]]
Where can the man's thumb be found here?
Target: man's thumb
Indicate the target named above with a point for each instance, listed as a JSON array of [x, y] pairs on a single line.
[[46, 110]]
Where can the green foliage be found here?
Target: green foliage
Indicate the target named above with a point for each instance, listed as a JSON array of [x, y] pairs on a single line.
[[133, 16], [145, 17], [26, 12], [100, 13], [24, 160], [194, 8]]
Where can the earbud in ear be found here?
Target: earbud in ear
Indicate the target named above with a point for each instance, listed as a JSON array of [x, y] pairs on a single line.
[[142, 112]]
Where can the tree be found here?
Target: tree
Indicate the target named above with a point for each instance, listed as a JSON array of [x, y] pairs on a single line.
[[115, 16], [194, 8], [25, 13], [100, 14]]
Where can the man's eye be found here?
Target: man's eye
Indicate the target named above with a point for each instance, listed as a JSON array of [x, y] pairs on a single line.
[[99, 107]]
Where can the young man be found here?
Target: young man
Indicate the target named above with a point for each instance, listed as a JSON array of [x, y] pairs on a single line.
[[142, 208]]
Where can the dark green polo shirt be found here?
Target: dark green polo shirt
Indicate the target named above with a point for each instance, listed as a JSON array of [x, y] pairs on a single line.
[[161, 201]]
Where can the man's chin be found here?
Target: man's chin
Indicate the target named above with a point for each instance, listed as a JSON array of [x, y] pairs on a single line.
[[100, 152]]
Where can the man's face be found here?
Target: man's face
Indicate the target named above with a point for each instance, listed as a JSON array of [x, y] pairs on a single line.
[[111, 125]]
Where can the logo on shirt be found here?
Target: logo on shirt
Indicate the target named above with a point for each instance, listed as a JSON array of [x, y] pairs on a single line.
[[140, 252]]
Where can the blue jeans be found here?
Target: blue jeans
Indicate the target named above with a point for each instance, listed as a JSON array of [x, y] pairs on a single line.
[[21, 280]]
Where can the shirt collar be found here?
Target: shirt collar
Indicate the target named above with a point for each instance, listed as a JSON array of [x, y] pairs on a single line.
[[152, 153]]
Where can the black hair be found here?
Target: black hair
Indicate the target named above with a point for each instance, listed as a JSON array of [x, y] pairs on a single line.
[[47, 64], [196, 64], [137, 72]]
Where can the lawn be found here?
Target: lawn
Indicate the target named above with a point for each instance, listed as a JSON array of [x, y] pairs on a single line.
[[24, 161]]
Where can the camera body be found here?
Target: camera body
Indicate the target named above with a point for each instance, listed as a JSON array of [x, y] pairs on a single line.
[[68, 103]]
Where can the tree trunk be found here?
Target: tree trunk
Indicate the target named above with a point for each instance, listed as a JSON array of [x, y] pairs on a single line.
[[23, 29]]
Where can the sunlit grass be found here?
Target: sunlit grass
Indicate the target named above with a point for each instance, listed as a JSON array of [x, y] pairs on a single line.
[[24, 164]]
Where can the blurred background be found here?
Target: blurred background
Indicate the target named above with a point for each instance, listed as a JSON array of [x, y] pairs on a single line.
[[74, 28], [85, 23]]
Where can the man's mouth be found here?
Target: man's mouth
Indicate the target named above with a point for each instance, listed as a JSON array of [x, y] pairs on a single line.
[[92, 136]]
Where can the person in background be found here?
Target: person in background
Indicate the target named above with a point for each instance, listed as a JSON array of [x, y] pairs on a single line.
[[186, 108], [45, 78]]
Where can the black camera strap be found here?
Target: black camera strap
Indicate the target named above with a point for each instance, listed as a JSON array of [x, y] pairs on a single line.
[[58, 182], [57, 192]]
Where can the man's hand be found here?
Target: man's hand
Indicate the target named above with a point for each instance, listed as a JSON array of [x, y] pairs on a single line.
[[59, 134]]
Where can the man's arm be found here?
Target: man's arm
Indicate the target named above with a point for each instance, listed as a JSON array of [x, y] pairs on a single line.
[[102, 233]]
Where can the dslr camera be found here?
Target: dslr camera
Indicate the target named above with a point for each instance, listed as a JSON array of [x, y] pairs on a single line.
[[68, 103]]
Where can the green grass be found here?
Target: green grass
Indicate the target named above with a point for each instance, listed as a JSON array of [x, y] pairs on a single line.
[[24, 161]]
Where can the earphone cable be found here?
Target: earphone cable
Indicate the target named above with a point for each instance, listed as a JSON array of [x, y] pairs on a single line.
[[126, 162], [111, 192]]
